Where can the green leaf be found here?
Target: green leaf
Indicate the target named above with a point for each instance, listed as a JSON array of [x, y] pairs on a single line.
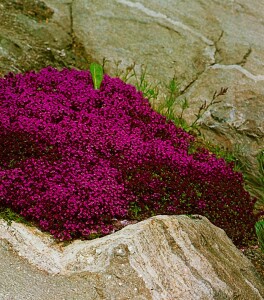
[[185, 104], [97, 74], [259, 227]]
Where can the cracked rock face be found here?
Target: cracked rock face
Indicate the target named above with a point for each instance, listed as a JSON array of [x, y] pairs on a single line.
[[206, 45], [164, 257]]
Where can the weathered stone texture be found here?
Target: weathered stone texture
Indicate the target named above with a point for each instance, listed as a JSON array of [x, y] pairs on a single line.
[[164, 257], [35, 34]]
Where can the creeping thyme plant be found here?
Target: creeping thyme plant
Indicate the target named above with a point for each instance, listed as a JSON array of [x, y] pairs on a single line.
[[74, 157]]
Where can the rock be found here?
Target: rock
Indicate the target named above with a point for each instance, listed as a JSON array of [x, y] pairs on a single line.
[[164, 257], [35, 34]]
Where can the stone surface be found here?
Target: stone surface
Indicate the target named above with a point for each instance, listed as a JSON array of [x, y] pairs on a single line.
[[35, 34], [164, 257], [20, 280]]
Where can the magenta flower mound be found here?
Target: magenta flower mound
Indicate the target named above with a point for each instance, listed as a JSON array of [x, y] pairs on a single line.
[[73, 159]]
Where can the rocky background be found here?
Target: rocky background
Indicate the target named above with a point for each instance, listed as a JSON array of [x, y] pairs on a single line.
[[205, 45]]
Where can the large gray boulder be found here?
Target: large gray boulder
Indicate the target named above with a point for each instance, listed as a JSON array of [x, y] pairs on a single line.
[[164, 257]]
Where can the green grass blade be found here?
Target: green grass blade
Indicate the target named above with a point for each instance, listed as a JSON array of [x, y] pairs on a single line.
[[97, 74], [259, 226]]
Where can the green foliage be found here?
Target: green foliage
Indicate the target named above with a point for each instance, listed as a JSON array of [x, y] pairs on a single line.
[[178, 120], [166, 106], [93, 236], [255, 184], [149, 90], [97, 74], [9, 215], [135, 209], [230, 156], [259, 226]]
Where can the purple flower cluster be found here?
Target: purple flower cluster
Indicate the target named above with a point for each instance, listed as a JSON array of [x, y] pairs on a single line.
[[73, 158]]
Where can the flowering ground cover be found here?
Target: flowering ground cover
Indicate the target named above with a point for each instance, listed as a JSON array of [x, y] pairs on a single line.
[[74, 158]]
